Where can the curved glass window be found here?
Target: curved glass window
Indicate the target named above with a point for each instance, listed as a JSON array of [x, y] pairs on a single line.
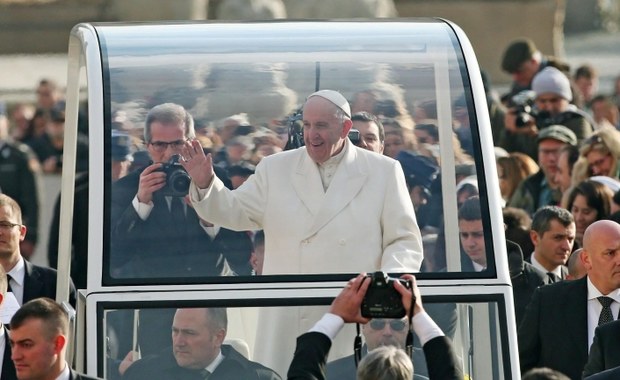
[[244, 85]]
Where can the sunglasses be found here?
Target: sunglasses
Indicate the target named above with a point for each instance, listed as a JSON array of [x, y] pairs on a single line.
[[395, 324]]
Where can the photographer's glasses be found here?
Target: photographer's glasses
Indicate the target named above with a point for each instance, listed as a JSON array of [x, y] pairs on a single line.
[[395, 324], [162, 146]]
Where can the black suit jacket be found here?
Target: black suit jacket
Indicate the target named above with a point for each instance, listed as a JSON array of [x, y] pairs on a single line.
[[605, 349], [8, 369], [164, 366], [554, 330], [41, 282], [157, 248], [313, 348], [610, 374]]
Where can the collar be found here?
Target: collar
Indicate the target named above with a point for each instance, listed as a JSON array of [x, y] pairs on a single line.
[[213, 366], [593, 292], [478, 267], [65, 374], [18, 273], [557, 271]]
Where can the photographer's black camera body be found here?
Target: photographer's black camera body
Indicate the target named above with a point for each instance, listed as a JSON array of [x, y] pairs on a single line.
[[177, 179], [382, 300]]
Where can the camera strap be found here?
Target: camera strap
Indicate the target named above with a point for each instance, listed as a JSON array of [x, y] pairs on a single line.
[[409, 340], [357, 346]]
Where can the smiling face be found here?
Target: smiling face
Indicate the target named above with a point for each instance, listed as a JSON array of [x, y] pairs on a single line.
[[584, 214], [324, 131]]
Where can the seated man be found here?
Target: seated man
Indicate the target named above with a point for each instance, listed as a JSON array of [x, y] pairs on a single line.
[[197, 352], [313, 346]]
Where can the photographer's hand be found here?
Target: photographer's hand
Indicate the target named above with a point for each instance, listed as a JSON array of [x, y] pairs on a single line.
[[151, 180], [510, 123], [406, 294], [347, 305], [198, 165]]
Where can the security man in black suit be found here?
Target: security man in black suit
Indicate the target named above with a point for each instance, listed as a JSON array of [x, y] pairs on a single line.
[[26, 281], [558, 327], [313, 347], [39, 337]]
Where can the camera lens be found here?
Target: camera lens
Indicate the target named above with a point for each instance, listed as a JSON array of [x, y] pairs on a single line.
[[179, 182]]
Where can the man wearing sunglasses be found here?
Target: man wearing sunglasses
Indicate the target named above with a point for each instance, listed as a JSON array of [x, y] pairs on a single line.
[[313, 347], [378, 333]]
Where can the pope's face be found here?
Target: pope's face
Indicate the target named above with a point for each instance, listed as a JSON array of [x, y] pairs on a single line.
[[324, 131]]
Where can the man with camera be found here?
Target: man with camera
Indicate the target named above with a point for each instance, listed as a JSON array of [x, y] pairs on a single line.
[[547, 104], [313, 347], [155, 233]]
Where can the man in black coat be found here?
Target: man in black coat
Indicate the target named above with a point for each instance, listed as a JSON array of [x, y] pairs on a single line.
[[605, 349], [559, 323], [313, 347], [197, 336], [154, 232], [8, 369], [27, 281], [39, 338]]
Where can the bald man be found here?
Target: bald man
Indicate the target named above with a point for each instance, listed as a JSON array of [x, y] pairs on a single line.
[[558, 328], [327, 207]]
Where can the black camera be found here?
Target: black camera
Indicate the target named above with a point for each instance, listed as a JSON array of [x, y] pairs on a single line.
[[382, 300], [523, 107], [354, 136], [177, 179]]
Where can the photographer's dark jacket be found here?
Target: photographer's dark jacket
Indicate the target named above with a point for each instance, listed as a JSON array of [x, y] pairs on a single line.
[[159, 248], [313, 348], [527, 194]]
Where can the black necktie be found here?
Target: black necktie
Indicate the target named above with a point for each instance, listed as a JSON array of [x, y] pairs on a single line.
[[8, 283], [205, 374], [606, 315], [178, 213], [553, 277]]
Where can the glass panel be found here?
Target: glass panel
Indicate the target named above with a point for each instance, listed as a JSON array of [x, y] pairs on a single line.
[[476, 329], [244, 84]]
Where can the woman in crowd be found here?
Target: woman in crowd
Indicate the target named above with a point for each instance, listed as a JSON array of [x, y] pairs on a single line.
[[513, 169], [599, 155], [589, 201]]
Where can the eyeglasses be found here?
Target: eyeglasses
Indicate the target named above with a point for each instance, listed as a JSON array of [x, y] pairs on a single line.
[[395, 324], [5, 226], [161, 146]]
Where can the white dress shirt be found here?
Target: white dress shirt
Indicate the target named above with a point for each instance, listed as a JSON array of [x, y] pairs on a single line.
[[18, 273], [595, 308]]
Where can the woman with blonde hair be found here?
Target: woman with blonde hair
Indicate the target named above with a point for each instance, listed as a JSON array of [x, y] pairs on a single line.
[[512, 170], [599, 155]]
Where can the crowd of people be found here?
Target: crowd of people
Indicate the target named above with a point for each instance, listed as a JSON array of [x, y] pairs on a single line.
[[557, 148]]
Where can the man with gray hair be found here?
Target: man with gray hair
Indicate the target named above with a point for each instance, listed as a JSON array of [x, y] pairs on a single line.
[[328, 207]]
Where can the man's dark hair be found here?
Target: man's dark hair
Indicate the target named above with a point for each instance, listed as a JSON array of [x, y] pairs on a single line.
[[541, 221], [572, 152], [368, 117], [431, 129], [616, 197], [47, 310], [470, 209]]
